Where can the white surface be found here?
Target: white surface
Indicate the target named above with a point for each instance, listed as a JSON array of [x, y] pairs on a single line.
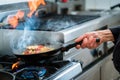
[[11, 1], [100, 4], [90, 4]]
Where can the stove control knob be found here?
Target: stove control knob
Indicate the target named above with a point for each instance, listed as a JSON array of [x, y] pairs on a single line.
[[79, 61], [74, 60], [100, 53], [94, 52]]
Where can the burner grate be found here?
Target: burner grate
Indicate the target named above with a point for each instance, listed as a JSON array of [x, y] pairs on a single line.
[[41, 71]]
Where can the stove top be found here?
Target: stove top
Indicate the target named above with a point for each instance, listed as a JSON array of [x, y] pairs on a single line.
[[41, 70], [53, 22], [61, 22]]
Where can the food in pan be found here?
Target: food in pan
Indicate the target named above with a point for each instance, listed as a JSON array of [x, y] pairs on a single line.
[[36, 49]]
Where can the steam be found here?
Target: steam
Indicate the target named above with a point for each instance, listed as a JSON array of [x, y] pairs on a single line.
[[19, 43], [57, 24], [32, 23], [60, 24]]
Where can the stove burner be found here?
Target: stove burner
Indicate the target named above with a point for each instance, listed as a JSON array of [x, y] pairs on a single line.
[[41, 70], [31, 73]]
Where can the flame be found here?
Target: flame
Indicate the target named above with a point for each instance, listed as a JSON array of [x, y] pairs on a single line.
[[15, 65], [20, 14], [33, 5], [13, 20]]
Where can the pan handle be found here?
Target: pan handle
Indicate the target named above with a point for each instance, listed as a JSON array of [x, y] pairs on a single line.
[[66, 47]]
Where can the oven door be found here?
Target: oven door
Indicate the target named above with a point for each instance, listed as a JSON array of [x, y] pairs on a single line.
[[92, 73]]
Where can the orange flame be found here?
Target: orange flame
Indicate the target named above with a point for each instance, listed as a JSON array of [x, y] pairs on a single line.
[[13, 21], [20, 14], [33, 5], [15, 65]]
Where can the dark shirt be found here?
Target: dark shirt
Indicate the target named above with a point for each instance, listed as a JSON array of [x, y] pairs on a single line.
[[116, 32], [116, 52]]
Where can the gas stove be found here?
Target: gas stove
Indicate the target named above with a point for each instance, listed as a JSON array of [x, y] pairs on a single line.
[[71, 27], [40, 70]]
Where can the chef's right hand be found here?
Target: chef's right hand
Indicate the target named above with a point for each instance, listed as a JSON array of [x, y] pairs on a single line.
[[89, 40]]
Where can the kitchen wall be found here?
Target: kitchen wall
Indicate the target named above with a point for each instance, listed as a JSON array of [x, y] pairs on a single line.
[[100, 4], [10, 1], [90, 4]]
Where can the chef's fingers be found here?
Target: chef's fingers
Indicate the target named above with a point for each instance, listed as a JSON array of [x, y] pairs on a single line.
[[78, 46], [94, 44], [84, 43], [90, 42], [88, 38], [80, 38]]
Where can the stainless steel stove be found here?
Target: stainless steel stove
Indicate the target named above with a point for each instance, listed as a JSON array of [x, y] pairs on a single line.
[[75, 25], [41, 70]]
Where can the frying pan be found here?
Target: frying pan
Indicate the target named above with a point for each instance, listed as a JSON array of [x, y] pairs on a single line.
[[57, 49], [6, 76]]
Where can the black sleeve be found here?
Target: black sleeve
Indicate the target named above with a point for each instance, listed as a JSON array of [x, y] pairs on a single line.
[[115, 31]]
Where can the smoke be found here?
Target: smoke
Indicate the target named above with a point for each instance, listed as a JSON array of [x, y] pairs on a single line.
[[58, 23], [19, 42], [32, 23]]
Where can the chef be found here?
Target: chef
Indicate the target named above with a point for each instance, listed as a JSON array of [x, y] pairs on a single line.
[[112, 34]]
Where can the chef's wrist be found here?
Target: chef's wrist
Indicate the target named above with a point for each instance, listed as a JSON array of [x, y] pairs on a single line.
[[106, 35]]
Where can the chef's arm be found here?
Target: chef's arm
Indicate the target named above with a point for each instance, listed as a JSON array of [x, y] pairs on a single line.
[[106, 35], [116, 32], [89, 39]]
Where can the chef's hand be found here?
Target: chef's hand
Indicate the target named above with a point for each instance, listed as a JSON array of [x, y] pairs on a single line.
[[89, 39]]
